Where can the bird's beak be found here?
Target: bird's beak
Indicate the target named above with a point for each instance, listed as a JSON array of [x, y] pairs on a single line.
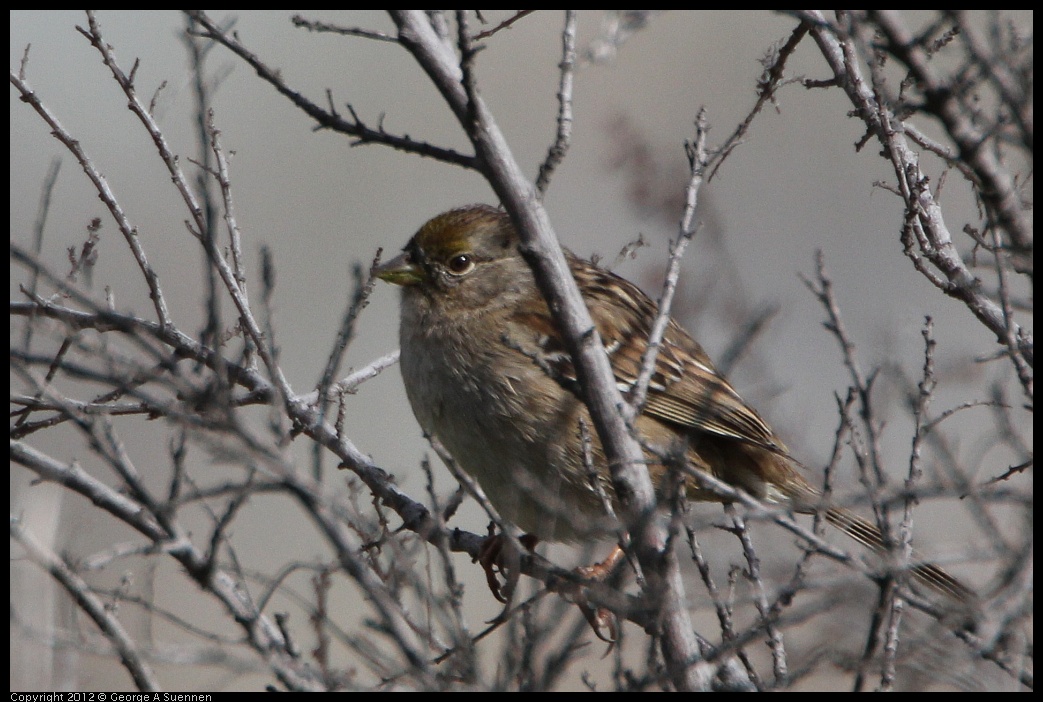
[[399, 271]]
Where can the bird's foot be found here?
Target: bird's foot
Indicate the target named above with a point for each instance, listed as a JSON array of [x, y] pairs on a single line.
[[498, 558], [602, 621]]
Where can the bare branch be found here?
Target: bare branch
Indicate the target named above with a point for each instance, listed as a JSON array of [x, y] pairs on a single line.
[[129, 232], [926, 236], [326, 27], [542, 251], [327, 119], [139, 670], [560, 147]]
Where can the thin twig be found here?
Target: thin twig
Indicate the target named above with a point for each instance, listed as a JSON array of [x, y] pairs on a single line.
[[697, 162], [327, 119], [326, 27], [563, 138], [504, 25], [131, 657]]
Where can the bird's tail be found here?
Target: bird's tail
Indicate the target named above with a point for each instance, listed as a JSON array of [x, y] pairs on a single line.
[[867, 534]]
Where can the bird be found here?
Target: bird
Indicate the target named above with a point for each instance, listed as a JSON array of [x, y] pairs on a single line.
[[487, 373]]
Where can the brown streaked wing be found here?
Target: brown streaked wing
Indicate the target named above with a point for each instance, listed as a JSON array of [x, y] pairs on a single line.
[[685, 388]]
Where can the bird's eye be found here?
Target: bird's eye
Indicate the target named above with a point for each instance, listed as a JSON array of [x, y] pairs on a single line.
[[461, 264]]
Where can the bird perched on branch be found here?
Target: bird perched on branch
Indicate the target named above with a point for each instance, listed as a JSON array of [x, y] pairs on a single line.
[[487, 372]]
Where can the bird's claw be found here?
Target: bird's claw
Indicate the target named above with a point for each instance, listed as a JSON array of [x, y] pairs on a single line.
[[497, 558], [602, 621]]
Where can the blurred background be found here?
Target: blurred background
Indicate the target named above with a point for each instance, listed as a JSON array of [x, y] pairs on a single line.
[[796, 186]]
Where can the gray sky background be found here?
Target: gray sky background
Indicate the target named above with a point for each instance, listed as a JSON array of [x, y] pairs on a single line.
[[796, 186]]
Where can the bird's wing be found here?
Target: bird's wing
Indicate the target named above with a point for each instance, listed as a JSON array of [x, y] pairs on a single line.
[[685, 389]]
